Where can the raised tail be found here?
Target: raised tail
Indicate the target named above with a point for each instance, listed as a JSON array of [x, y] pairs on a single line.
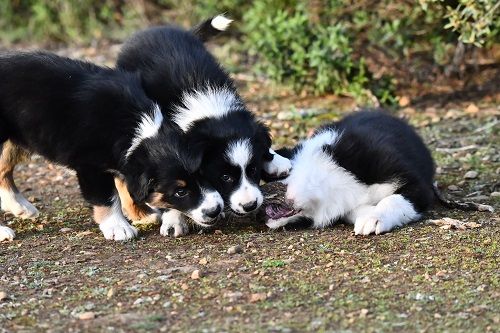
[[453, 204], [211, 27]]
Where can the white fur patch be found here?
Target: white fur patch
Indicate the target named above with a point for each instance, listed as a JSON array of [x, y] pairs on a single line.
[[6, 233], [115, 226], [210, 201], [239, 153], [16, 204], [392, 211], [279, 166], [148, 127], [245, 194], [209, 103], [322, 189], [172, 220], [220, 22]]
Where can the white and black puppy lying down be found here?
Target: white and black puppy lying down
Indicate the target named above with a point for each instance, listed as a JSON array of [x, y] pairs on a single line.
[[99, 122], [370, 169], [198, 96]]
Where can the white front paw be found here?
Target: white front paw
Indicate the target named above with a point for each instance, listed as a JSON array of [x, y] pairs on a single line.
[[366, 225], [115, 227], [279, 166], [275, 224], [6, 233], [17, 205], [173, 224]]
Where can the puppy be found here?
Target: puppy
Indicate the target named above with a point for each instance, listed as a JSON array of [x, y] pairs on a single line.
[[99, 122], [370, 169], [200, 98]]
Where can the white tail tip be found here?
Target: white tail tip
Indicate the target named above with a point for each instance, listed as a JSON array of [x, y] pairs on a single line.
[[220, 22]]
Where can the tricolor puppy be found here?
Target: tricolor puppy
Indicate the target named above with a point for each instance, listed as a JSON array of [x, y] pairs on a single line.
[[370, 169], [200, 98], [99, 122]]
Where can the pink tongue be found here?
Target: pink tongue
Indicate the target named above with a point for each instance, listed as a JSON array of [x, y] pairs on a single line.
[[275, 212]]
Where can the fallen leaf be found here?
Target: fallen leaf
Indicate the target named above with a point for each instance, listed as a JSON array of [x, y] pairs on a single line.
[[471, 109], [447, 223], [257, 297]]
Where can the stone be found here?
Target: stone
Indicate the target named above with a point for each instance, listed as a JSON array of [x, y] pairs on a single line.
[[235, 249], [471, 174], [86, 315]]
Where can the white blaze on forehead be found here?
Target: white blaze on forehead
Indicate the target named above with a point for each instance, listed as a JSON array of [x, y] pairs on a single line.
[[220, 22], [148, 127], [239, 153], [209, 103]]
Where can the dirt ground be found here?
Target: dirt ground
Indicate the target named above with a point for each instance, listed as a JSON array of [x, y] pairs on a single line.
[[61, 275]]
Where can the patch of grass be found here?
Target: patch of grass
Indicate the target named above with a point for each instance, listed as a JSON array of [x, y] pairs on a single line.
[[272, 263]]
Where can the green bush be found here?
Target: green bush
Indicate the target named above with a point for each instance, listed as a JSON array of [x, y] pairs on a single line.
[[64, 21], [317, 46]]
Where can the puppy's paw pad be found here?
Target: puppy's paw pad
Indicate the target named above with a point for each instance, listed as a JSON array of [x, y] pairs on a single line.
[[366, 225], [6, 234], [117, 229], [173, 225]]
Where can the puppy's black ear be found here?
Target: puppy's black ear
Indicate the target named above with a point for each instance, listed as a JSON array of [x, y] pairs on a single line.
[[286, 152], [263, 138], [139, 186], [194, 154]]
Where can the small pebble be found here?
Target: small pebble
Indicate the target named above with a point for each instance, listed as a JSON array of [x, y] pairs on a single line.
[[257, 297], [196, 274], [86, 315], [3, 296], [235, 249], [471, 174], [65, 230], [495, 194], [453, 188], [203, 261]]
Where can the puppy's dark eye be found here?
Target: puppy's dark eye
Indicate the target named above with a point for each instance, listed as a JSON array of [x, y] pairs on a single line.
[[181, 193], [227, 178]]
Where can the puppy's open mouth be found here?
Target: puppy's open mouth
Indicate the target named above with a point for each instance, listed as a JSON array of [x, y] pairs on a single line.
[[276, 211]]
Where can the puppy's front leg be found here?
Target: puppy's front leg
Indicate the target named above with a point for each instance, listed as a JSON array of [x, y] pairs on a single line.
[[173, 223], [6, 233], [141, 213], [276, 166], [11, 200]]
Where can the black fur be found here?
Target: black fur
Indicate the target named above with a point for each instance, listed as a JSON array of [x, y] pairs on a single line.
[[171, 62], [84, 116], [378, 148]]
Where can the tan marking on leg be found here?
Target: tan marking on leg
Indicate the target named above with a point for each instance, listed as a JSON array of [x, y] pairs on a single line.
[[11, 199], [141, 213], [101, 213], [10, 157]]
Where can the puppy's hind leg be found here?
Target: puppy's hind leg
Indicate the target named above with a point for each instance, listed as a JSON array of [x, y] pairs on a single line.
[[11, 200], [140, 213], [392, 211], [98, 189]]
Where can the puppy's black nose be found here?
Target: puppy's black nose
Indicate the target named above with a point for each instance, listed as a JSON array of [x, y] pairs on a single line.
[[250, 206], [214, 212]]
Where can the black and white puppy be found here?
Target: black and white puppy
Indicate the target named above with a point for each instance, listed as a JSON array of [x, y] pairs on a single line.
[[370, 169], [99, 122], [199, 97]]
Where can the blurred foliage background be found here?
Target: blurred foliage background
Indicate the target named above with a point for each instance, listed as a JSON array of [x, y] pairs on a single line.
[[345, 47]]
